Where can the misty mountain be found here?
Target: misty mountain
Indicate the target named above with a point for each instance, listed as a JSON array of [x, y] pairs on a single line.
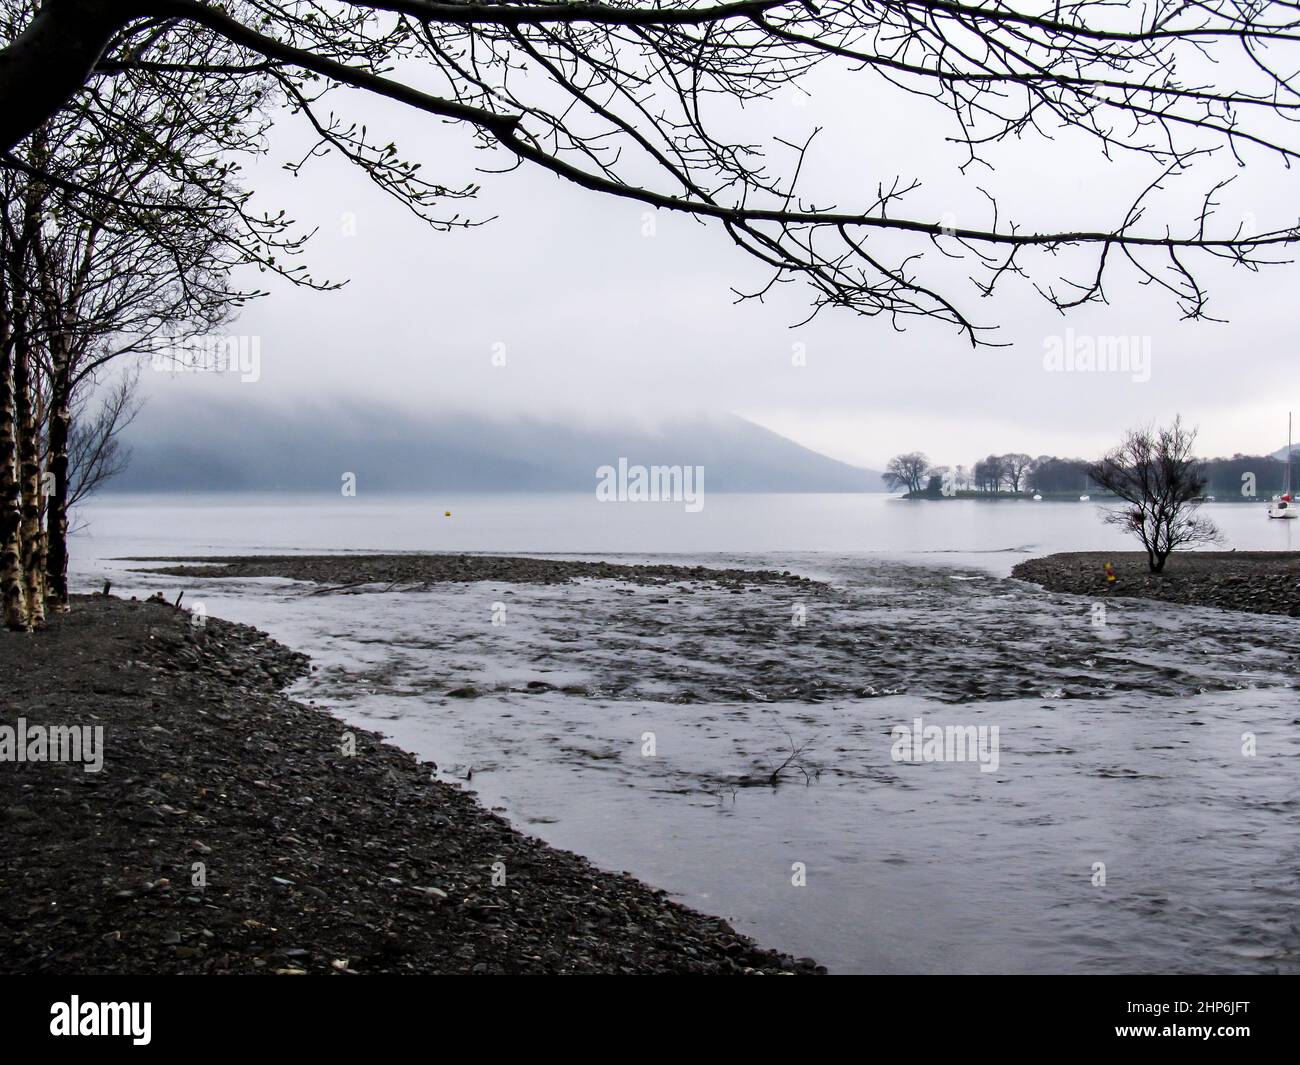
[[221, 445]]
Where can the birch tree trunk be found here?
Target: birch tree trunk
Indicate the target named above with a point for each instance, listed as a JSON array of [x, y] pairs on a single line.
[[29, 479], [58, 424], [56, 511], [12, 586]]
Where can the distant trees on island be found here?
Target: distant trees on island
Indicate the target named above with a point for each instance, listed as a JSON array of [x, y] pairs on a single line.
[[1017, 474], [1012, 474]]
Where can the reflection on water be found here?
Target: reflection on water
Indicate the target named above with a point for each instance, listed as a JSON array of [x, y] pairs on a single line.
[[1119, 745]]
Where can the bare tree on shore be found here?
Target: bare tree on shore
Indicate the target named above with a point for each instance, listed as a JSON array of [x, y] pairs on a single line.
[[907, 471], [12, 592], [112, 247], [20, 482], [631, 98], [1156, 474]]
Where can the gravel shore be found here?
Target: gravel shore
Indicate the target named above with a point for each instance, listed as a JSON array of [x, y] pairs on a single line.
[[230, 832], [342, 571], [1258, 582]]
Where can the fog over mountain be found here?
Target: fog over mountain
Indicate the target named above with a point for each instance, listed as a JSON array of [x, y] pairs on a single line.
[[220, 444]]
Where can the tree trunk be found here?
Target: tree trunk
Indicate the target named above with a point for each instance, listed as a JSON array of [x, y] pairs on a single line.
[[29, 479], [57, 422], [12, 587], [56, 511]]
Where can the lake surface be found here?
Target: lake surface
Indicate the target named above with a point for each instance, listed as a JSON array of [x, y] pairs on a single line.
[[1119, 745], [578, 524]]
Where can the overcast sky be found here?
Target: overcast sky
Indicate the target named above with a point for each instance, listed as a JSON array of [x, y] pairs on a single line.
[[600, 321]]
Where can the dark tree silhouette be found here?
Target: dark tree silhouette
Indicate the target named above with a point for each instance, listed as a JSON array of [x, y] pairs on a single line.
[[1052, 474], [1155, 473], [121, 223], [1016, 467], [907, 472], [630, 98], [989, 473]]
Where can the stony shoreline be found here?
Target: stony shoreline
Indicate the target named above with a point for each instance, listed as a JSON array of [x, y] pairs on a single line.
[[1256, 582], [343, 571], [314, 860]]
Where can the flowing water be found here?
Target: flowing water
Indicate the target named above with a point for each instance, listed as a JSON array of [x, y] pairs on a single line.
[[644, 726]]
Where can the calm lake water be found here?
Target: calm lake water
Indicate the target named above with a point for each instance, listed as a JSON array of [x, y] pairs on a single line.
[[1120, 746], [578, 524]]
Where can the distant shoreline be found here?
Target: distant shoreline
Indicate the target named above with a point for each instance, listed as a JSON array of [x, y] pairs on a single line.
[[1097, 496], [996, 497]]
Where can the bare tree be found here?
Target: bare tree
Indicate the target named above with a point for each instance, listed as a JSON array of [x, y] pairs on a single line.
[[1015, 468], [1155, 473], [11, 566], [121, 225], [20, 482], [632, 98], [907, 471], [96, 453]]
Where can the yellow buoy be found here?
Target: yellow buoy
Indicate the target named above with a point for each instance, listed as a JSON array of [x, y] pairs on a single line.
[[446, 513]]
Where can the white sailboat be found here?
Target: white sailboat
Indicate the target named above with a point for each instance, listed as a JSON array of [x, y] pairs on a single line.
[[1284, 506]]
